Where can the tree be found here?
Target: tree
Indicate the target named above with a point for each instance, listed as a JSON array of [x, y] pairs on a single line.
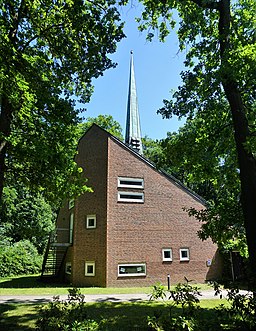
[[26, 216], [209, 168], [106, 122], [220, 40], [49, 53]]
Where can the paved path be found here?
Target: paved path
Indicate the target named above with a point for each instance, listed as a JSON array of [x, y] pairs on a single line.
[[209, 294]]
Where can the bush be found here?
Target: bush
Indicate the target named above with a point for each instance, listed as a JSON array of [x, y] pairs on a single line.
[[184, 296], [20, 258], [67, 315]]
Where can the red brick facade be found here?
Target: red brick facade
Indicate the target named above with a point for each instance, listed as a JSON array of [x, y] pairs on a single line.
[[133, 233]]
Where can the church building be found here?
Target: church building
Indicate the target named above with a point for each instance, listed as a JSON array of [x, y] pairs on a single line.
[[132, 230]]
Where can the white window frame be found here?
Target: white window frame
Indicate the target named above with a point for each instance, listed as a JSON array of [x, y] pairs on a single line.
[[68, 267], [138, 265], [122, 199], [71, 227], [131, 182], [89, 264], [184, 249], [71, 203], [167, 259], [88, 218]]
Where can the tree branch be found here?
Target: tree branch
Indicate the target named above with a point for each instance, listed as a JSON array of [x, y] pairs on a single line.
[[207, 4]]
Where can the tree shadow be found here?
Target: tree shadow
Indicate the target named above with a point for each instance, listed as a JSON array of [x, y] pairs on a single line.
[[112, 316], [132, 316], [29, 282], [12, 319]]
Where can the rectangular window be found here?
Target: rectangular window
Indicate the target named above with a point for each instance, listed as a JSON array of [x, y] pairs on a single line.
[[125, 270], [167, 254], [71, 203], [131, 182], [184, 254], [90, 268], [68, 268], [131, 197], [71, 227], [91, 221]]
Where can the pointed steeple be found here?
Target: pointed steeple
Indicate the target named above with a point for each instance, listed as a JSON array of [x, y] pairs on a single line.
[[133, 132]]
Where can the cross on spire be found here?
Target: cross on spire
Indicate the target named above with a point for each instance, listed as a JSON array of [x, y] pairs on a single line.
[[133, 131]]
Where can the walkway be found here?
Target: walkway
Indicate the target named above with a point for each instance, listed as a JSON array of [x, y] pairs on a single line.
[[38, 299]]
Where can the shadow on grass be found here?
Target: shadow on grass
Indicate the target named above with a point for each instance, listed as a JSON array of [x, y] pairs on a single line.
[[129, 316], [112, 316], [17, 317], [29, 282]]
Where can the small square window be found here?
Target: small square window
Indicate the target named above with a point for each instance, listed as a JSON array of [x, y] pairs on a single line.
[[89, 268], [91, 221], [167, 254], [184, 254]]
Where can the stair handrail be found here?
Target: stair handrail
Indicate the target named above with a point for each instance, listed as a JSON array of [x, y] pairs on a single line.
[[52, 235]]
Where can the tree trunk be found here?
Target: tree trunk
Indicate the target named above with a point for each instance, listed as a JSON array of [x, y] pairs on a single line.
[[5, 129], [246, 161], [247, 166]]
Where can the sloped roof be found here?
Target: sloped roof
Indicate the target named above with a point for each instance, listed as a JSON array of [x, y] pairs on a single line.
[[151, 164]]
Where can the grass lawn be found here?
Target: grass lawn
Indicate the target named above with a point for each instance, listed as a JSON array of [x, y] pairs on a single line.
[[113, 316], [31, 285], [124, 316]]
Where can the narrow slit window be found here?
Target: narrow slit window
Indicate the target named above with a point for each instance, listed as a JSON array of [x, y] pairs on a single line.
[[132, 270], [71, 228], [131, 197], [68, 268], [129, 182]]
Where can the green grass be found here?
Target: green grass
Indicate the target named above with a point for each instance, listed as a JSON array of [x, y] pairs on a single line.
[[125, 316], [31, 285]]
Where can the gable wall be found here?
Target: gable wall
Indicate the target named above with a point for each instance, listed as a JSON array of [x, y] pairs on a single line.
[[136, 233], [90, 244]]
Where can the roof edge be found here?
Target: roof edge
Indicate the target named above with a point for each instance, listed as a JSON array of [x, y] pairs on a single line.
[[162, 172]]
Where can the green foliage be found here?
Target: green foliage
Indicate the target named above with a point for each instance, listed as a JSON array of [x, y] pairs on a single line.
[[184, 296], [217, 97], [239, 314], [66, 316], [106, 122], [49, 54], [152, 149], [157, 292], [26, 216], [21, 258]]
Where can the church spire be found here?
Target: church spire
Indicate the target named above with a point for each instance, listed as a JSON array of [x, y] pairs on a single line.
[[133, 132]]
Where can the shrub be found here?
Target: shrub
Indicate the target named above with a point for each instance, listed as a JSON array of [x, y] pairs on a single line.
[[184, 295], [67, 315], [20, 258], [240, 314]]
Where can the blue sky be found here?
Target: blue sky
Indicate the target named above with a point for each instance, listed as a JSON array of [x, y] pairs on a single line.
[[157, 68]]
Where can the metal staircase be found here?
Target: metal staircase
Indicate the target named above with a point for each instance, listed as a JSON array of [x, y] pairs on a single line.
[[55, 255]]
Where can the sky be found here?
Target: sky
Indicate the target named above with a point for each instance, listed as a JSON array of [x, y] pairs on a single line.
[[157, 72]]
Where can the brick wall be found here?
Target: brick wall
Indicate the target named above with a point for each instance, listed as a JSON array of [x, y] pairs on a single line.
[[138, 232], [133, 232], [90, 244]]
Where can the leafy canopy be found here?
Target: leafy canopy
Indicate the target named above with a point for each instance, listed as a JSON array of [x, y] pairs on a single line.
[[49, 53]]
